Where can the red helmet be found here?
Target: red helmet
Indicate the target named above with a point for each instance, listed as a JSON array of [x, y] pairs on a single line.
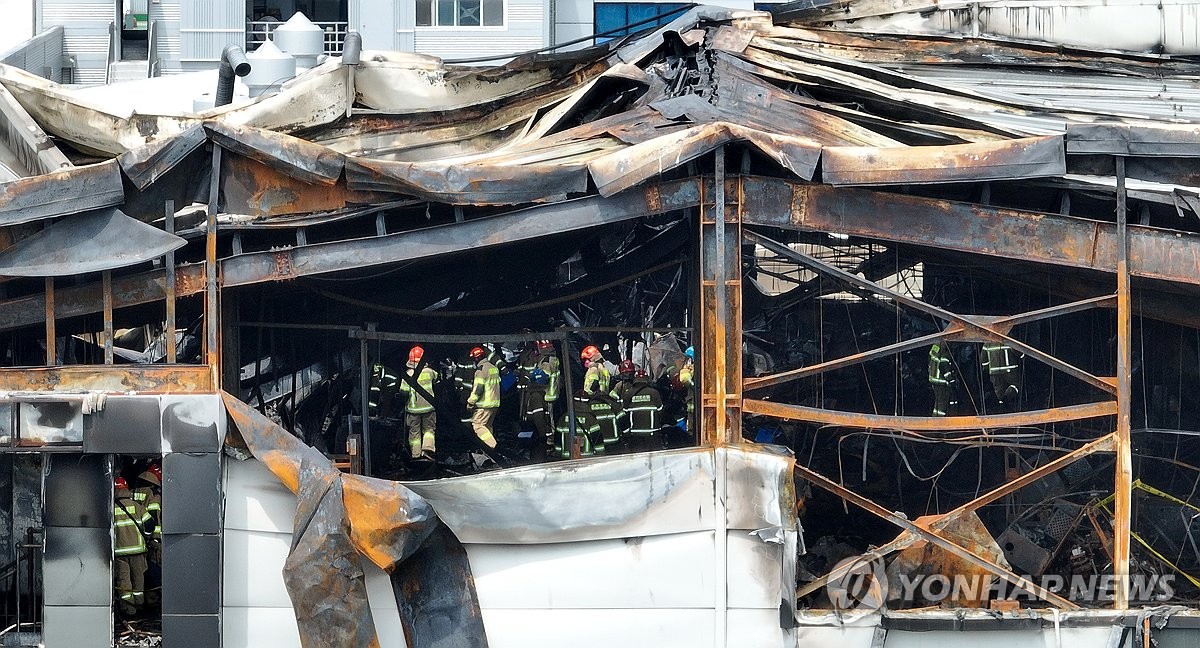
[[477, 353], [545, 345], [590, 352], [415, 354], [119, 483], [155, 470], [641, 373], [626, 367]]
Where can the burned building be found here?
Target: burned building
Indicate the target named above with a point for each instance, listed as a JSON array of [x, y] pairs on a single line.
[[940, 291]]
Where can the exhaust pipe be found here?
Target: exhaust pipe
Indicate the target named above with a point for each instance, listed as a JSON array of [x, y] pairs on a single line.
[[233, 64]]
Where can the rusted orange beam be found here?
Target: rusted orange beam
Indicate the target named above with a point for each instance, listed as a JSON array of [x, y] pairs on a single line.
[[906, 539], [866, 356], [929, 423], [145, 379], [976, 328], [933, 537], [1123, 480]]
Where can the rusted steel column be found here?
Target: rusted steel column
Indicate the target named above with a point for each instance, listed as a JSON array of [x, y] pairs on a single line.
[[51, 352], [106, 279], [364, 383], [719, 348], [170, 285], [1123, 481], [211, 312]]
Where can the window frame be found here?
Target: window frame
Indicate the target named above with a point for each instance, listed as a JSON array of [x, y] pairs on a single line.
[[678, 9], [433, 9]]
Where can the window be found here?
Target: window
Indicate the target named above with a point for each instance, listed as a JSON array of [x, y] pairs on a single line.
[[460, 13], [619, 16]]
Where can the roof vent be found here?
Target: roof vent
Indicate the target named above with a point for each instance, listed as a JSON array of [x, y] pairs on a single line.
[[270, 67], [302, 39]]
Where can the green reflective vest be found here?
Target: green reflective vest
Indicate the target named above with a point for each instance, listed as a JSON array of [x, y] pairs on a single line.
[[941, 367], [596, 380], [418, 404], [130, 518], [485, 390], [999, 358], [587, 430]]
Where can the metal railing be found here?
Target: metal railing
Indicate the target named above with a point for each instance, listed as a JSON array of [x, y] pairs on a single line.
[[257, 32]]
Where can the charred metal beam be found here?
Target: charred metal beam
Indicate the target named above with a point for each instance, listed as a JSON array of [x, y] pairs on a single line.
[[1029, 157], [933, 537], [1123, 480], [524, 224], [1002, 324], [148, 379], [69, 191], [929, 423], [1157, 140], [906, 539], [73, 301], [965, 227], [971, 326], [865, 356]]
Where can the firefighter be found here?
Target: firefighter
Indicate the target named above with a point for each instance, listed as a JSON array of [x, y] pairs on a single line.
[[643, 405], [419, 416], [1003, 365], [484, 398], [130, 523], [626, 372], [383, 391], [149, 495], [687, 381], [943, 380], [587, 429], [464, 376], [596, 379], [538, 371]]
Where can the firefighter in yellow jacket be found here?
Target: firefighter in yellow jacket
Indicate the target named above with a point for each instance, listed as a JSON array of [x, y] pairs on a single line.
[[130, 521], [419, 416], [149, 494], [485, 397]]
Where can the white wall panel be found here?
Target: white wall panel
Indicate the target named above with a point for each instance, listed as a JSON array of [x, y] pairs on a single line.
[[599, 628], [652, 572], [259, 627], [253, 569], [754, 578]]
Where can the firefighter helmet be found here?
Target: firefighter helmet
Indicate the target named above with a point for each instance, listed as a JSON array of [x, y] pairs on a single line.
[[590, 352], [415, 354], [690, 352], [120, 484], [626, 367], [477, 353], [545, 345]]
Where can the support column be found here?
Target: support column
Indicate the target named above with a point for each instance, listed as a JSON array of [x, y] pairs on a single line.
[[211, 305], [720, 342], [1123, 480]]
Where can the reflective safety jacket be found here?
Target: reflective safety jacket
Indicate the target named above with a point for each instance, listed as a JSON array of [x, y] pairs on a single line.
[[150, 498], [541, 373], [941, 366], [999, 358], [130, 520], [418, 404], [485, 389], [607, 413], [587, 430], [643, 405], [597, 379], [687, 379], [383, 390], [553, 370]]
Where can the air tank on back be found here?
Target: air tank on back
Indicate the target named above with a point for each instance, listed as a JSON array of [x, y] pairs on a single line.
[[302, 39], [269, 68]]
